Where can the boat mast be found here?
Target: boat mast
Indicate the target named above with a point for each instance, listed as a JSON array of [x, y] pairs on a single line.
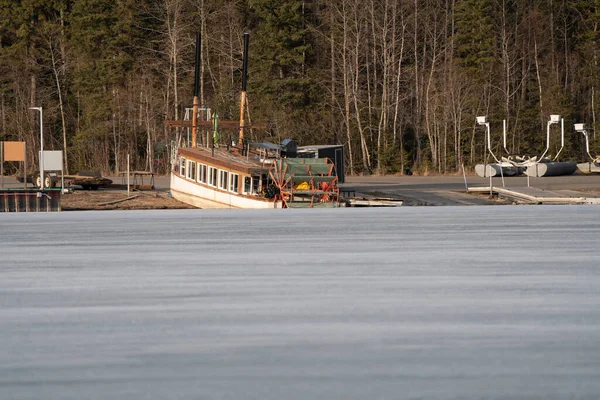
[[196, 91], [243, 95]]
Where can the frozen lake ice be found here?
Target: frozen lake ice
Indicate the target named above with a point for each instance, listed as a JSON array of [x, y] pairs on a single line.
[[405, 303]]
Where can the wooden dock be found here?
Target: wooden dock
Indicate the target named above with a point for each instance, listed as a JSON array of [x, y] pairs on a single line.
[[534, 195], [29, 200]]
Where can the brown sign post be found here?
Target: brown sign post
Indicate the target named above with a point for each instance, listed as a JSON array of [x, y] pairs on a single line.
[[13, 151]]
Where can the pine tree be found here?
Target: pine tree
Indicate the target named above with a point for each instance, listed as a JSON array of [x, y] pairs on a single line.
[[104, 38], [474, 39], [280, 56]]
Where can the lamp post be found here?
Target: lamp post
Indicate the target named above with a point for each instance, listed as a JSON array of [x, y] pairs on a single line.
[[41, 146]]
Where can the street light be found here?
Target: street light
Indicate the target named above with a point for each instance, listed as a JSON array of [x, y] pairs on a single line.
[[41, 146]]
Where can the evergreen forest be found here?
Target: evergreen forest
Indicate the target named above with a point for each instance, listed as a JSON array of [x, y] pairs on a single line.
[[398, 82]]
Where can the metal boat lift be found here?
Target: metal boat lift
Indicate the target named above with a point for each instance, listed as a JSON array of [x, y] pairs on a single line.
[[531, 166], [500, 167], [542, 167], [592, 166]]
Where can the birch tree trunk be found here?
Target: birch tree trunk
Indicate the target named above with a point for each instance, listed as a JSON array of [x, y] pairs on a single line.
[[347, 90], [56, 70], [366, 160]]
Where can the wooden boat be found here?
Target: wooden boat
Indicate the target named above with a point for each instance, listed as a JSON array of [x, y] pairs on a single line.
[[246, 174], [222, 179]]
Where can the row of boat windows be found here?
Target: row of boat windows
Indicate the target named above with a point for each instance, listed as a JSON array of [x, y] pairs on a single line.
[[216, 177]]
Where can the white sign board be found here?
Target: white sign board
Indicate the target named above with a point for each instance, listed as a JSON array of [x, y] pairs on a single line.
[[53, 160]]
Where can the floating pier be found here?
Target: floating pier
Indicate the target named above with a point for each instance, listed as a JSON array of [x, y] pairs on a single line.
[[373, 202], [541, 169], [535, 195], [589, 167], [29, 200], [497, 169]]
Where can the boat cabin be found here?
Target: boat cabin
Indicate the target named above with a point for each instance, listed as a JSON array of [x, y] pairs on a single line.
[[223, 171]]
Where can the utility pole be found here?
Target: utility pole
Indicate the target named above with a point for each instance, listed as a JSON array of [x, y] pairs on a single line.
[[41, 147]]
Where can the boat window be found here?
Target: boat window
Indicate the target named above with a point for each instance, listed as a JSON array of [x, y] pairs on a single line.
[[255, 184], [182, 166], [247, 185], [201, 173], [233, 182], [192, 170], [212, 176], [223, 179], [265, 181]]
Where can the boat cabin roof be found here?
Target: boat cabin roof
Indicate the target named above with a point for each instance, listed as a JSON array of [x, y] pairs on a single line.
[[223, 158], [266, 145]]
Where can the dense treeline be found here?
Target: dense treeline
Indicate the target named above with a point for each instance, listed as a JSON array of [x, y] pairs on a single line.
[[399, 83]]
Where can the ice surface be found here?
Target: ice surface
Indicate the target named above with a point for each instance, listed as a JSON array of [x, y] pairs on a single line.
[[403, 303]]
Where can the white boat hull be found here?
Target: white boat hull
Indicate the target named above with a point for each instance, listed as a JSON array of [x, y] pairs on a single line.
[[200, 196]]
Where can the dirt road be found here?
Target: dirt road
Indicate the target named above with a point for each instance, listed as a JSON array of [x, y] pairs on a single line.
[[451, 190], [448, 190], [414, 190]]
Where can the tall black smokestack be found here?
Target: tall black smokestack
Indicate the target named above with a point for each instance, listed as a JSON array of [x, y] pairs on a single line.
[[197, 66], [196, 91], [244, 78], [245, 61]]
